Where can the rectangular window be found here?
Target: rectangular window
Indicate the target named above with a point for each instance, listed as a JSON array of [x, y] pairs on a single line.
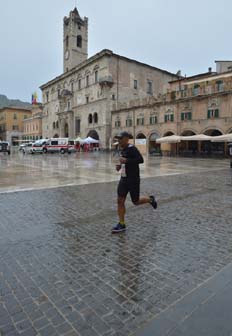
[[47, 96], [196, 90], [15, 116], [168, 117], [213, 113], [87, 80], [140, 121], [135, 84], [113, 96], [58, 92], [220, 86], [149, 87], [79, 84], [153, 120], [77, 125], [183, 93], [15, 127], [71, 87], [54, 143], [117, 123], [87, 99], [129, 122], [186, 116], [25, 116]]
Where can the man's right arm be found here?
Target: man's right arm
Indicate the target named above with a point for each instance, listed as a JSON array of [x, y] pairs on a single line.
[[135, 156]]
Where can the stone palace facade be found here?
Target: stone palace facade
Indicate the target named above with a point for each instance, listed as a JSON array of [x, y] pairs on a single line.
[[79, 102], [201, 104]]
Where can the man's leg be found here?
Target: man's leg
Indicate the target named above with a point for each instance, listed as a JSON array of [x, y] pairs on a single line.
[[142, 200], [121, 209], [135, 195], [122, 193]]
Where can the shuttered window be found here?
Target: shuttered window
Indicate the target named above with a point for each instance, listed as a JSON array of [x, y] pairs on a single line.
[[213, 113]]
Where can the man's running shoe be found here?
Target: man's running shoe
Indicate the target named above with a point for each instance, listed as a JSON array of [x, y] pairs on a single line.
[[119, 228], [153, 202]]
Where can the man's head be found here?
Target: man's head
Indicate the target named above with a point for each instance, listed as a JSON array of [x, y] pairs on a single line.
[[123, 139]]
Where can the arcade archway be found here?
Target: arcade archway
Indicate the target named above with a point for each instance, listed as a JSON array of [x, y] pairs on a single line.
[[169, 149], [154, 147], [188, 148], [141, 142], [213, 148]]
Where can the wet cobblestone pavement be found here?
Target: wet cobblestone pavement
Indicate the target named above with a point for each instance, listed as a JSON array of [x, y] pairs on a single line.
[[63, 273]]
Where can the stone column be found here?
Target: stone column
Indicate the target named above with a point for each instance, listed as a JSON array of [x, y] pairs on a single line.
[[71, 125], [62, 126]]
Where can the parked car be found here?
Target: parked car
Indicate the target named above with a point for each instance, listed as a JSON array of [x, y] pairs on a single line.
[[26, 148], [38, 146], [23, 145], [5, 147]]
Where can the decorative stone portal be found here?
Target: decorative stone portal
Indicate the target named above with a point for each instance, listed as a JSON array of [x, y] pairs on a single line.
[[93, 134]]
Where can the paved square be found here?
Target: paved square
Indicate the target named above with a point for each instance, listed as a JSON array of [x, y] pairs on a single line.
[[61, 271]]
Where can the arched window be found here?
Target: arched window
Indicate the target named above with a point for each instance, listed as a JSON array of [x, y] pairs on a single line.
[[90, 118], [66, 42], [54, 125], [95, 118], [96, 76], [79, 41], [57, 124]]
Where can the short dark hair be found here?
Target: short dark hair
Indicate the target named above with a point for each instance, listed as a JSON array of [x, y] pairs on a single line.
[[123, 134]]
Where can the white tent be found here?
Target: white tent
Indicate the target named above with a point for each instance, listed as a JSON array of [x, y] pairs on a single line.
[[196, 137], [222, 138], [169, 139], [90, 140]]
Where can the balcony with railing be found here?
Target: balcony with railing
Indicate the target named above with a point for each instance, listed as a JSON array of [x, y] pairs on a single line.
[[199, 90]]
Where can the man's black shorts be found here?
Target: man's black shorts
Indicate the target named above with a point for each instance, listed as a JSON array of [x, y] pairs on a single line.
[[129, 185]]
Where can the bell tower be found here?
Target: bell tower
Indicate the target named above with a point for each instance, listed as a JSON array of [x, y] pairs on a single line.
[[75, 40]]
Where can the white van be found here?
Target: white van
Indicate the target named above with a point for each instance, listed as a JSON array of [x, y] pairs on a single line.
[[37, 146], [59, 145]]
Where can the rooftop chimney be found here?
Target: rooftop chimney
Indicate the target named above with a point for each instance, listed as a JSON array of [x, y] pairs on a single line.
[[210, 69]]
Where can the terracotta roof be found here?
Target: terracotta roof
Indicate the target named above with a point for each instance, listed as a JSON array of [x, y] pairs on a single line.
[[15, 108]]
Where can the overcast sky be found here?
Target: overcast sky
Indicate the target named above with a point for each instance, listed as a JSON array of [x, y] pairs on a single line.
[[170, 34]]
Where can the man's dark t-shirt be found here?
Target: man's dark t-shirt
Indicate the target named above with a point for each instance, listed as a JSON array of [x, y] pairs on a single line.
[[134, 158]]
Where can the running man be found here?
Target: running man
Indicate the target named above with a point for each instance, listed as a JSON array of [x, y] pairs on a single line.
[[130, 180]]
